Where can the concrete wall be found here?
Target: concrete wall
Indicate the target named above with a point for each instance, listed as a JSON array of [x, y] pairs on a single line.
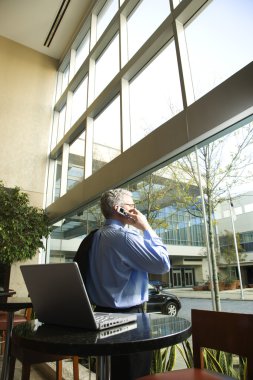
[[27, 87]]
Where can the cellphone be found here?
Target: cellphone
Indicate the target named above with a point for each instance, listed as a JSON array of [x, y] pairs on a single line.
[[123, 212]]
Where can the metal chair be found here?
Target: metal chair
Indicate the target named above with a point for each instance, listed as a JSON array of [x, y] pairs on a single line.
[[223, 331]]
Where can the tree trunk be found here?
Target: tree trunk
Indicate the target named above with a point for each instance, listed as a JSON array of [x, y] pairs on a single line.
[[214, 274]]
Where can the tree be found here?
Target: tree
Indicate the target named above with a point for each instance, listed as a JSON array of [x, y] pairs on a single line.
[[152, 193], [177, 185], [228, 253], [22, 226], [217, 170]]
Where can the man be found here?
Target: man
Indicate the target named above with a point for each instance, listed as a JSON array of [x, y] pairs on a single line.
[[120, 260]]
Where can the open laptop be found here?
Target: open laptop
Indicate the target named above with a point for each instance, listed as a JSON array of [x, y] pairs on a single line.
[[59, 297]]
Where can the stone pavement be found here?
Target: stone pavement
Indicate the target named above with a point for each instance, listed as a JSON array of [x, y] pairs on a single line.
[[245, 294]]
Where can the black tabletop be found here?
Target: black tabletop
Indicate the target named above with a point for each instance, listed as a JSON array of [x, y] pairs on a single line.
[[151, 331], [15, 303], [7, 293]]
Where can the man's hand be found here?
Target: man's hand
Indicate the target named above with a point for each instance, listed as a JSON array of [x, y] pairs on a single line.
[[138, 220]]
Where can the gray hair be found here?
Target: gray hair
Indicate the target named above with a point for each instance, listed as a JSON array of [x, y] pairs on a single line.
[[111, 198]]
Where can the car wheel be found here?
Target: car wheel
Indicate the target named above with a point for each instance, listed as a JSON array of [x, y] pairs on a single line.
[[170, 309]]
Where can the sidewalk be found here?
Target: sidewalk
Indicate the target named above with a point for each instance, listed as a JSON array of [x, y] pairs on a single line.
[[224, 294]]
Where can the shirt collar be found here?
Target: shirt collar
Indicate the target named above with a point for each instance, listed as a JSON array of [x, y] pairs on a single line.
[[114, 222]]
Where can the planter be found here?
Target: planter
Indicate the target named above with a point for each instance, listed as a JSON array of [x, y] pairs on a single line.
[[200, 287], [221, 285], [5, 270], [231, 285]]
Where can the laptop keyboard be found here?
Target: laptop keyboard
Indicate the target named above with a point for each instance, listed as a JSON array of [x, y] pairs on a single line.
[[102, 317], [105, 320]]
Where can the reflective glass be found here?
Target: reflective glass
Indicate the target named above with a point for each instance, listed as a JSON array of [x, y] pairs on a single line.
[[68, 233], [155, 94], [105, 16], [76, 161], [58, 174], [106, 137], [107, 65], [151, 14], [219, 49], [65, 79], [79, 101], [61, 123], [82, 51], [176, 2], [171, 200]]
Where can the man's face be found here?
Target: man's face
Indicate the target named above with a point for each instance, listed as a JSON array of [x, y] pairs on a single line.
[[128, 203]]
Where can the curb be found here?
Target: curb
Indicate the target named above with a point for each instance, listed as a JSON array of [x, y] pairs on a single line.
[[244, 295]]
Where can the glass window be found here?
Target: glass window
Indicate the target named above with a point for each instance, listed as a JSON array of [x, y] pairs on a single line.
[[76, 161], [68, 233], [155, 94], [62, 81], [82, 51], [176, 2], [106, 137], [218, 49], [79, 101], [58, 175], [151, 14], [107, 65], [171, 219], [66, 236], [105, 16], [61, 123]]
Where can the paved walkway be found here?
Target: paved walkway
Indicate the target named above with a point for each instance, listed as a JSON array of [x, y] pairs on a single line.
[[245, 294]]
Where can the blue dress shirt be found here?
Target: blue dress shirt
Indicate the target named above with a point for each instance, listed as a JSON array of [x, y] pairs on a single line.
[[120, 260]]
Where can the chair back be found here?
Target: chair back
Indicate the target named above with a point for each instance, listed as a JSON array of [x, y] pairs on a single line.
[[223, 331]]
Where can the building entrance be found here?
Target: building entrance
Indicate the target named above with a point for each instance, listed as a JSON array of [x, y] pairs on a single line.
[[182, 277]]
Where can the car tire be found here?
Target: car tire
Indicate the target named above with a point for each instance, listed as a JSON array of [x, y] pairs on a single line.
[[170, 308]]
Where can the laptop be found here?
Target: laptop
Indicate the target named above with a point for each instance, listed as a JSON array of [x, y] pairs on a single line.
[[59, 297]]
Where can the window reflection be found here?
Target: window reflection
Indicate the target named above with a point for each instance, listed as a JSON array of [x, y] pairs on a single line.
[[170, 198], [76, 161], [174, 207], [62, 81], [58, 175], [68, 233], [61, 123], [106, 125], [155, 94]]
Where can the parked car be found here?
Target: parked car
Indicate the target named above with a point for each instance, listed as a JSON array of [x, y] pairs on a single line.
[[159, 284], [166, 303]]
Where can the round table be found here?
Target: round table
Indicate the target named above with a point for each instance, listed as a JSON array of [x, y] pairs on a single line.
[[10, 305], [150, 332]]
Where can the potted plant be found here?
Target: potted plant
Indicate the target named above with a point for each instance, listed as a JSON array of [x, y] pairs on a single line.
[[22, 228]]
